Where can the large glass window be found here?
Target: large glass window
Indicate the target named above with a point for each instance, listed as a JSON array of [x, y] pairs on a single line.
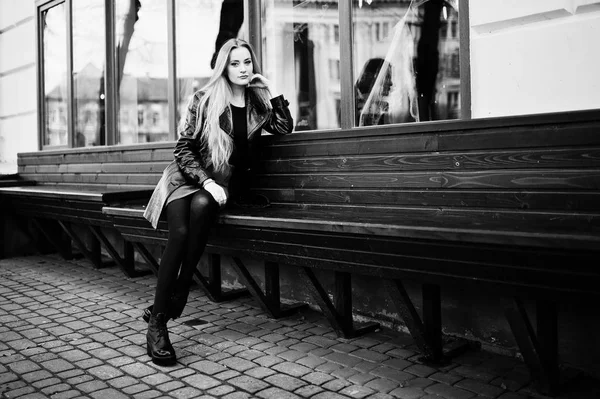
[[141, 70], [88, 72], [301, 57], [405, 61], [54, 30]]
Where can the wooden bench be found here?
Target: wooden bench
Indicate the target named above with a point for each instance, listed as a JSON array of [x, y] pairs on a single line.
[[508, 204], [57, 190]]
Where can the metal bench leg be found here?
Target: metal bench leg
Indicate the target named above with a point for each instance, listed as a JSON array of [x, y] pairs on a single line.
[[540, 351], [339, 313], [270, 300]]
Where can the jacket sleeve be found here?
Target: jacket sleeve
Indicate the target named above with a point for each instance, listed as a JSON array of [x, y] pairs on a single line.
[[280, 120], [188, 149]]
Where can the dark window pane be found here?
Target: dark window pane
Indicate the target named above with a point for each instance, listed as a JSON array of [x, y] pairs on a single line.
[[409, 72]]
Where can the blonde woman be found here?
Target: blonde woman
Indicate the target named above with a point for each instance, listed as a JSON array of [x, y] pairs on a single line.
[[215, 149]]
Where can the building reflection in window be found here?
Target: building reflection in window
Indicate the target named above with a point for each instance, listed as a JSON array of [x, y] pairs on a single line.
[[408, 72], [88, 72], [301, 58], [141, 69], [55, 75], [202, 26]]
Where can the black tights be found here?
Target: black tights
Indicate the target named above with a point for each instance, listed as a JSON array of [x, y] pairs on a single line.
[[190, 219]]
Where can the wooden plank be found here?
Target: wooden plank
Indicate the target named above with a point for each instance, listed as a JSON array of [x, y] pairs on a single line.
[[586, 157], [575, 200], [547, 179], [570, 134]]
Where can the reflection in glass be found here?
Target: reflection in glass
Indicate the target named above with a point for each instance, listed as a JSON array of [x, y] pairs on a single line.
[[142, 70], [406, 61], [88, 72], [201, 28], [301, 57], [55, 75]]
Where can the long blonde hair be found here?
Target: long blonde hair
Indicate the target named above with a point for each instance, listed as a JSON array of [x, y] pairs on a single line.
[[216, 98]]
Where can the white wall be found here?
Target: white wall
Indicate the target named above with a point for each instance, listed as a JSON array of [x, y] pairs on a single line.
[[534, 56], [18, 109]]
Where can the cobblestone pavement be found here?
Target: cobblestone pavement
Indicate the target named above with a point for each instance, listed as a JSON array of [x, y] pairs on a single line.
[[69, 331]]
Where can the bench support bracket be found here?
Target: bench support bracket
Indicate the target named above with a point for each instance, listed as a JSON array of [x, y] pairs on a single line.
[[211, 285], [270, 300], [339, 312], [426, 332], [539, 350], [126, 263]]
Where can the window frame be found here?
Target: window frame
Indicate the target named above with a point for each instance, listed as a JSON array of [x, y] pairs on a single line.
[[252, 31]]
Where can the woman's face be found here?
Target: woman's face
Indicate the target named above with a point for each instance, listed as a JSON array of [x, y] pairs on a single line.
[[239, 67]]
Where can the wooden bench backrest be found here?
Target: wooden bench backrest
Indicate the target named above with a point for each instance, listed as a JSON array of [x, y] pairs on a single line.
[[545, 162]]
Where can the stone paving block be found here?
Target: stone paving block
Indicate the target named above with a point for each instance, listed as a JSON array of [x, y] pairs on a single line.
[[268, 361], [156, 379], [208, 367], [88, 363], [317, 378], [343, 372], [382, 385], [248, 383], [91, 386], [238, 395], [343, 359], [308, 391], [221, 390], [320, 341], [512, 395], [138, 370], [276, 393], [420, 370], [479, 387], [285, 382], [295, 370], [23, 366], [356, 391], [109, 393], [449, 392], [369, 355], [237, 363], [392, 374], [446, 378], [259, 372], [473, 373], [169, 386], [328, 367], [227, 375], [36, 376], [361, 378], [399, 364], [122, 382], [335, 385], [329, 395], [186, 393], [250, 354]]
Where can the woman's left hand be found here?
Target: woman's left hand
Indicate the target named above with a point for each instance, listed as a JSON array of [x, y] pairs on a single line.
[[259, 81]]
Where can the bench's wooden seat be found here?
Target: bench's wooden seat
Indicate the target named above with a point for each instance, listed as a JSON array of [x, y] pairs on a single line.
[[510, 204], [57, 190]]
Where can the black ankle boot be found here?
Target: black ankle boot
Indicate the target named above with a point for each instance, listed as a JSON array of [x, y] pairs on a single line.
[[158, 344]]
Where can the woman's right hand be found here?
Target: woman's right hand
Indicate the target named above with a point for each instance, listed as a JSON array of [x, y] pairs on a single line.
[[218, 192]]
